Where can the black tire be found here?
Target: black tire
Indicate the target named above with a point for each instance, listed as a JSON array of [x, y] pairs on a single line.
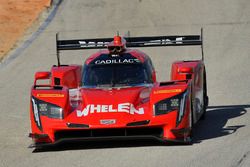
[[205, 97], [189, 140]]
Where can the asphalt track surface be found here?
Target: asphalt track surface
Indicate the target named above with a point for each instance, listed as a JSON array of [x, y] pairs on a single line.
[[222, 140]]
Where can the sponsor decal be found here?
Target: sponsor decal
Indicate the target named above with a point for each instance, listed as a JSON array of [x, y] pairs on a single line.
[[167, 91], [123, 108], [178, 40], [87, 43], [92, 43], [107, 121], [117, 61], [50, 95]]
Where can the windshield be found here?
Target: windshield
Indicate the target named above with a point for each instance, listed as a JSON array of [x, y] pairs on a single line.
[[115, 75]]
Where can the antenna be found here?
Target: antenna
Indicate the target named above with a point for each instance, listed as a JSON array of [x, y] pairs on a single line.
[[57, 51], [202, 53]]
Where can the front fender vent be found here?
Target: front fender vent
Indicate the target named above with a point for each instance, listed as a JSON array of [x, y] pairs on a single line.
[[138, 123]]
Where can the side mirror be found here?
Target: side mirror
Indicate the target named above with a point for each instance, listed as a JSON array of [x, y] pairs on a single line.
[[186, 70], [42, 75]]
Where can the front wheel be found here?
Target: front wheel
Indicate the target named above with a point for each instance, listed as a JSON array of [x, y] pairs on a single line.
[[191, 124], [205, 97]]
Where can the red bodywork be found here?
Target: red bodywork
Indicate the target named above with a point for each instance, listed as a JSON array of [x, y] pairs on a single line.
[[91, 113]]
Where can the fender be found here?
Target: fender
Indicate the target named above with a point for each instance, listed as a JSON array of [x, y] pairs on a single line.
[[69, 76]]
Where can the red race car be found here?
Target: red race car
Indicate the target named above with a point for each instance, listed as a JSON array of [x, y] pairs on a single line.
[[115, 94]]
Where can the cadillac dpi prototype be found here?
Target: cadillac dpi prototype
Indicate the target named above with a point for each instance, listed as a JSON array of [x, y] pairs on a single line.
[[115, 94]]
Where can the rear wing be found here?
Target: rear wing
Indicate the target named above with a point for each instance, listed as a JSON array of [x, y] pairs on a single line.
[[152, 41]]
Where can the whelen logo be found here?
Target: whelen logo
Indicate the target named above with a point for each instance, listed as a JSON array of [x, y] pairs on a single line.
[[123, 107]]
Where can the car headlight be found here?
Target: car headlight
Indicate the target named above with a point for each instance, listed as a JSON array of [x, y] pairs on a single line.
[[176, 102], [48, 109]]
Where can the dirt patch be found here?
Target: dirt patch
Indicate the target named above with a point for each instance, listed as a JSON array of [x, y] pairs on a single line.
[[16, 16]]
